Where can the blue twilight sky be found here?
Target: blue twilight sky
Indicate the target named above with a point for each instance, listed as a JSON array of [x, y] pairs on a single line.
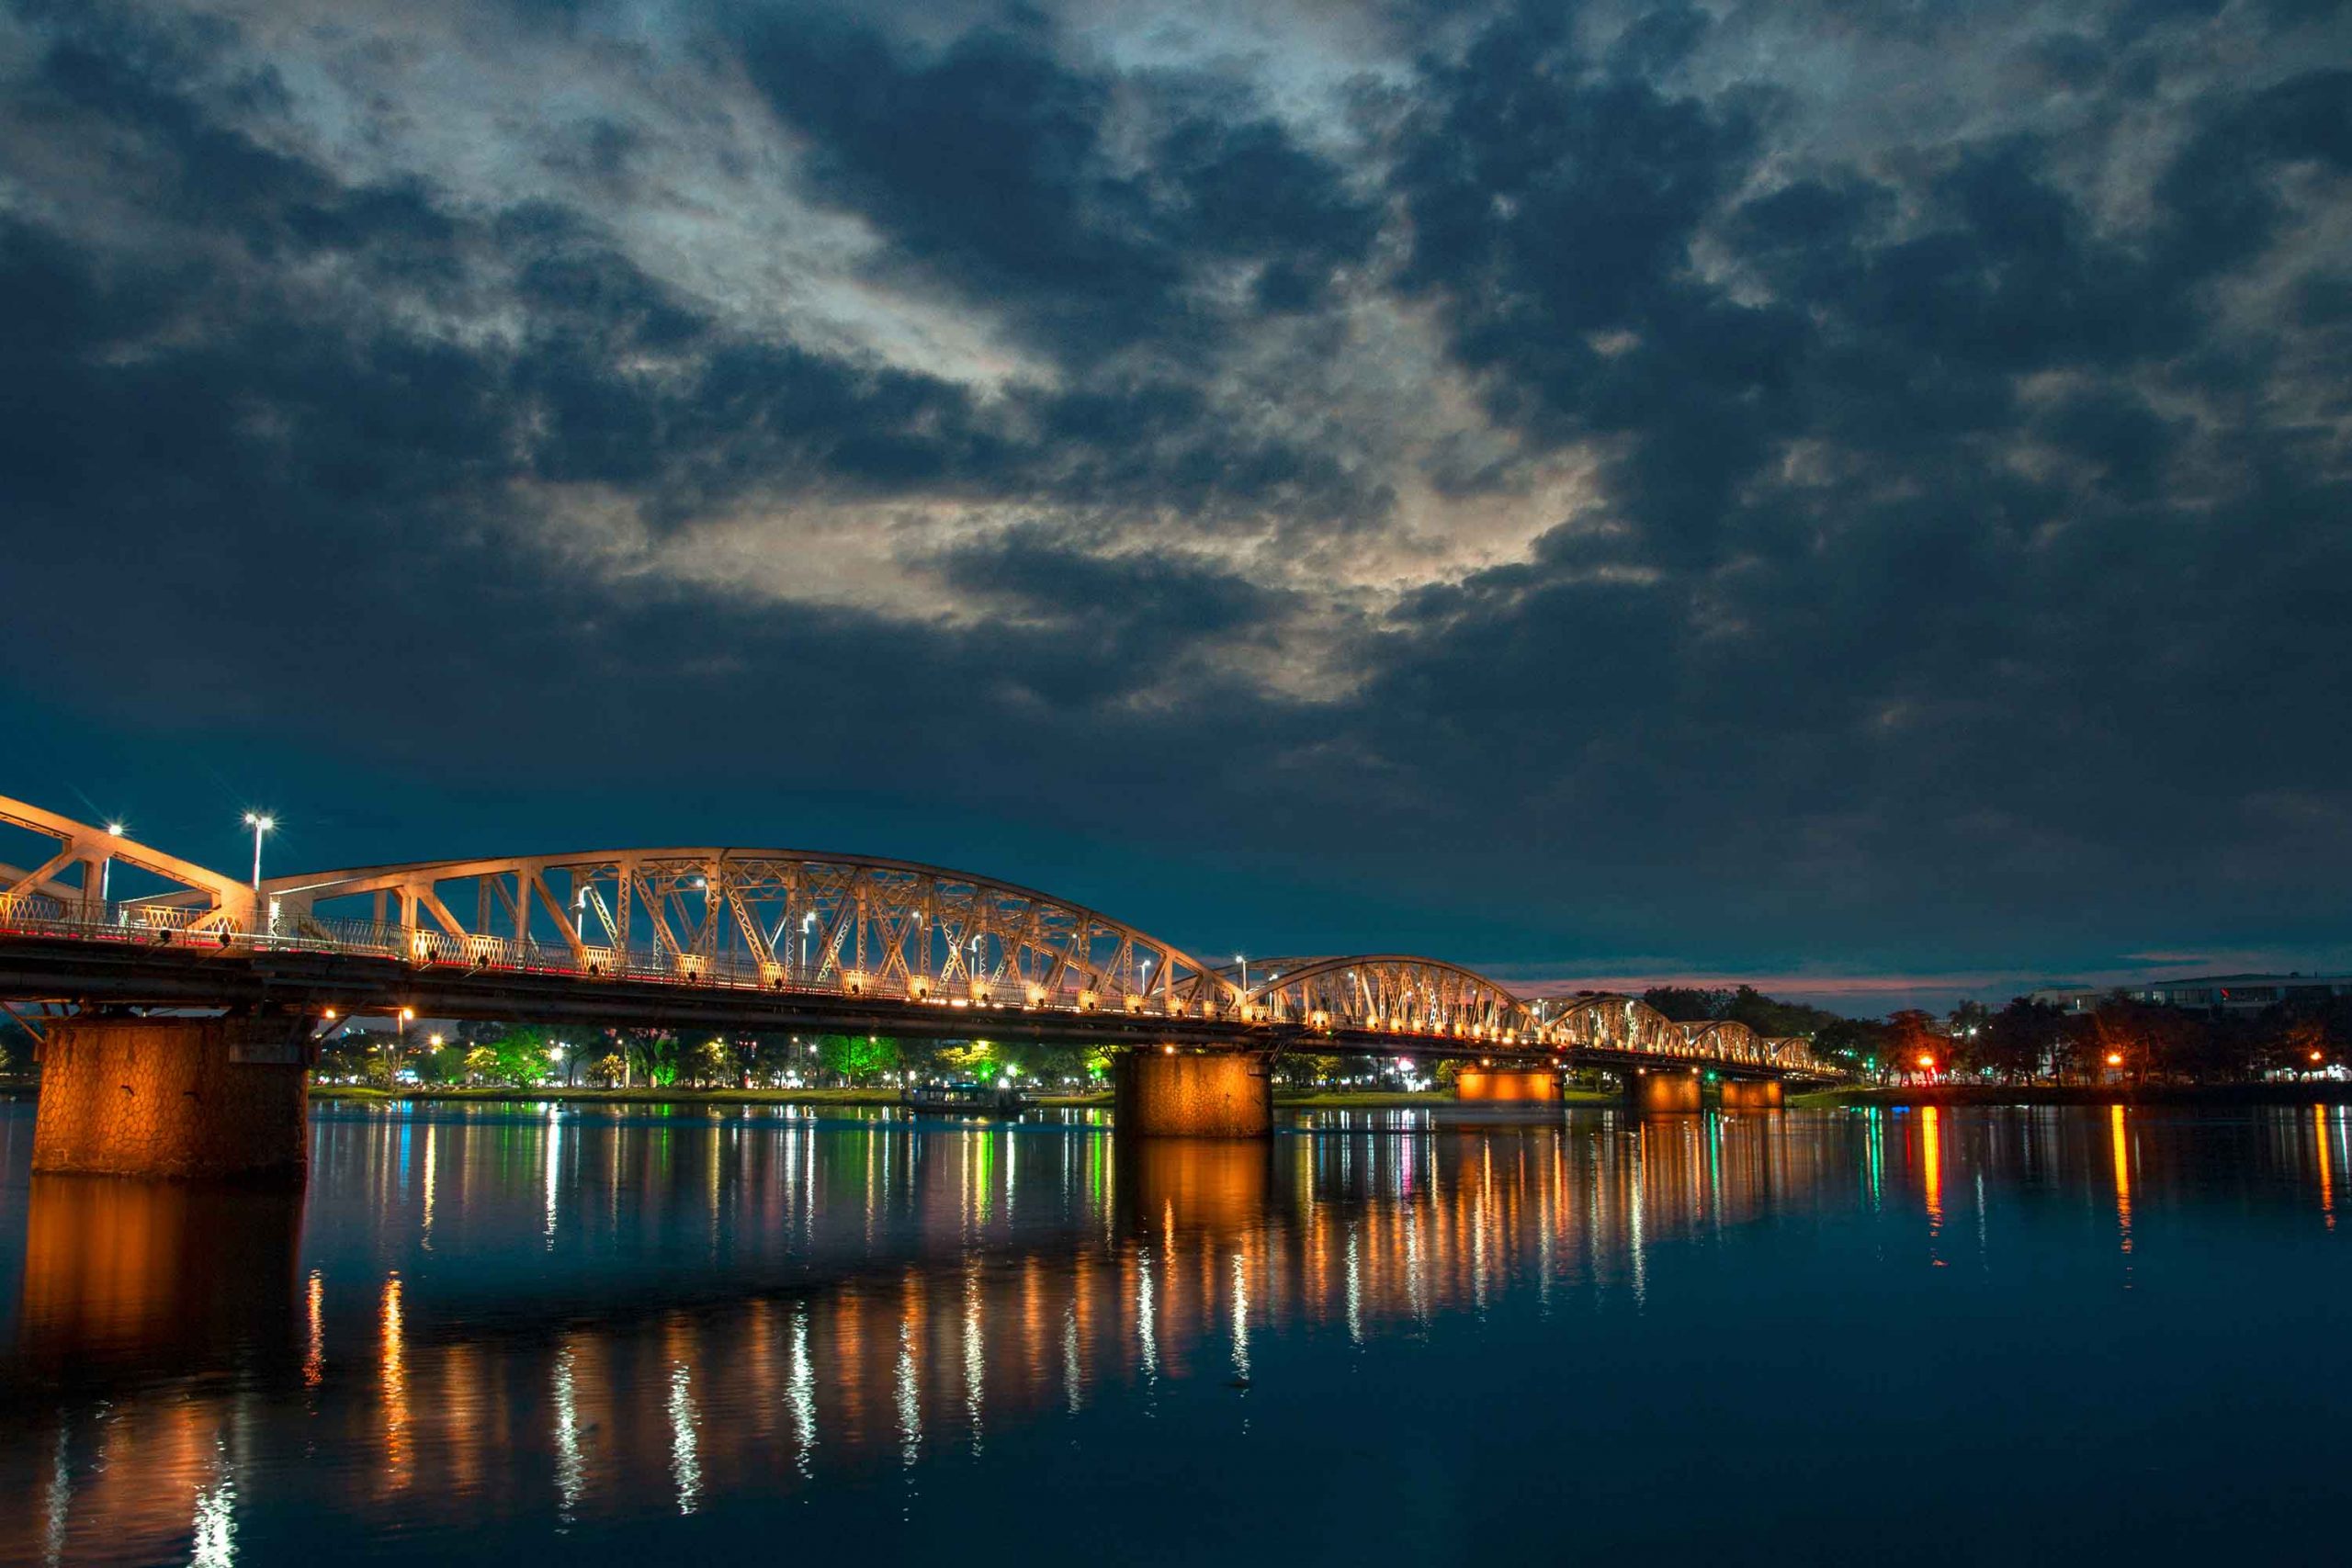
[[1851, 495]]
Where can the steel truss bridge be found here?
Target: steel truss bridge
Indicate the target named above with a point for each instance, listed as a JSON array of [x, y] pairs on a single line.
[[756, 940]]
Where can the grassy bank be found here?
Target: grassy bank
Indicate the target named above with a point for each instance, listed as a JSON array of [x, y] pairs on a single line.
[[597, 1096], [2082, 1094], [1287, 1099]]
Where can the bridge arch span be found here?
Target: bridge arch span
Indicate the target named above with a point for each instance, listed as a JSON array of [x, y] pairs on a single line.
[[1402, 993], [868, 925], [1608, 1021]]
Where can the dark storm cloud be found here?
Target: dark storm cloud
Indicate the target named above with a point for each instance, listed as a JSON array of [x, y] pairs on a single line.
[[991, 165], [1954, 560]]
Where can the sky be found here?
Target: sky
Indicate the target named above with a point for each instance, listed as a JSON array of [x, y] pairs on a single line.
[[1847, 494]]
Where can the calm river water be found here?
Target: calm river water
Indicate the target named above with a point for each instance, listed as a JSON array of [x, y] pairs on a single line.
[[613, 1335]]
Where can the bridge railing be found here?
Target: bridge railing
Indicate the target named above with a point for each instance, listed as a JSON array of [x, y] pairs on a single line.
[[425, 948]]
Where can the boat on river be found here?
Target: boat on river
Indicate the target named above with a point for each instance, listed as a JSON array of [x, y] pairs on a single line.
[[964, 1099]]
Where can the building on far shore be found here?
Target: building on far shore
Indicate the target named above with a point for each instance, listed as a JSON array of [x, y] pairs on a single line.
[[2233, 993]]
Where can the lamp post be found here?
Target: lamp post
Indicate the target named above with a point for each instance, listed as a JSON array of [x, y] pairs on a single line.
[[106, 871], [401, 1022], [260, 825]]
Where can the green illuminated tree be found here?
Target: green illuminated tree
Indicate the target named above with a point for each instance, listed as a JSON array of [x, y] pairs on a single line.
[[857, 1058]]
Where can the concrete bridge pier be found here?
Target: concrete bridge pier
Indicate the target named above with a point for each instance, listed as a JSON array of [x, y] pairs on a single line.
[[1164, 1094], [1540, 1085], [1753, 1094], [1666, 1091], [197, 1098]]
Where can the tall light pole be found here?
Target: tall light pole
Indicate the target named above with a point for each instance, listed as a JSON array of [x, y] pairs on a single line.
[[106, 872], [260, 825], [400, 1021], [1236, 958]]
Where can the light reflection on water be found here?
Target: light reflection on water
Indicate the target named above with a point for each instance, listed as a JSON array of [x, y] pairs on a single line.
[[485, 1328]]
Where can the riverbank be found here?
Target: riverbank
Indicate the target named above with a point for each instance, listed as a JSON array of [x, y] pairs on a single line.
[[673, 1095], [679, 1095], [1891, 1096]]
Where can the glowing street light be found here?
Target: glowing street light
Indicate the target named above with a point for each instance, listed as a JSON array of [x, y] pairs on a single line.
[[2115, 1058], [260, 824]]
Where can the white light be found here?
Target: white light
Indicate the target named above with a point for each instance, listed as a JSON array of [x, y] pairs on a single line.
[[116, 829], [264, 823]]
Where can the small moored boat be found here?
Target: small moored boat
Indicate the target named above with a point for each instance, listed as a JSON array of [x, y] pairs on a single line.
[[964, 1098]]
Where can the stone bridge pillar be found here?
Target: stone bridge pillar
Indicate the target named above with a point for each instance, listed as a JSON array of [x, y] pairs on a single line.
[[1756, 1094], [1224, 1094], [175, 1097], [1517, 1084], [1667, 1089]]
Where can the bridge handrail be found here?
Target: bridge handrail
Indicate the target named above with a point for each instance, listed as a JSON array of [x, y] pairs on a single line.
[[425, 948]]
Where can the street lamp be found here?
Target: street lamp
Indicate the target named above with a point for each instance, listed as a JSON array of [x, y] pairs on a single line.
[[1236, 958], [105, 870], [260, 825]]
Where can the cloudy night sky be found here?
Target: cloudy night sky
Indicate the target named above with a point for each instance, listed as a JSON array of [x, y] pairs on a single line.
[[1850, 494]]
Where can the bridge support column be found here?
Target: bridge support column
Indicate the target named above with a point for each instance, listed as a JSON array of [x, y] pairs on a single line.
[[1670, 1091], [1762, 1094], [1539, 1084], [1228, 1094], [173, 1096]]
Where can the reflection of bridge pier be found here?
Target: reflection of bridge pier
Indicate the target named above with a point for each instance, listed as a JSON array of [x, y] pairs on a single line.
[[1215, 1186], [1751, 1094], [172, 1274]]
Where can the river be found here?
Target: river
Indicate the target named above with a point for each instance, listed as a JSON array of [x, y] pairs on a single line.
[[595, 1334]]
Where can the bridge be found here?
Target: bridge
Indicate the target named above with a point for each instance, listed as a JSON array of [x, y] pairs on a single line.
[[755, 939]]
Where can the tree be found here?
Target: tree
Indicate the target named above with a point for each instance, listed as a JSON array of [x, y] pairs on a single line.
[[708, 1063], [1964, 1028], [856, 1058], [1912, 1041], [610, 1072], [2021, 1038], [521, 1057], [1688, 1004]]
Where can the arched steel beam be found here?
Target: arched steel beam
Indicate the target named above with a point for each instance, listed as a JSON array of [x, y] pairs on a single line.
[[1606, 1019], [867, 924], [1397, 991], [210, 901]]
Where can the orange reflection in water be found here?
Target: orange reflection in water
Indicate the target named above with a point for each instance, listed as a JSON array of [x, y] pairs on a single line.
[[2121, 1146], [394, 1378], [1189, 1258], [169, 1275], [2326, 1177], [1931, 1134]]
